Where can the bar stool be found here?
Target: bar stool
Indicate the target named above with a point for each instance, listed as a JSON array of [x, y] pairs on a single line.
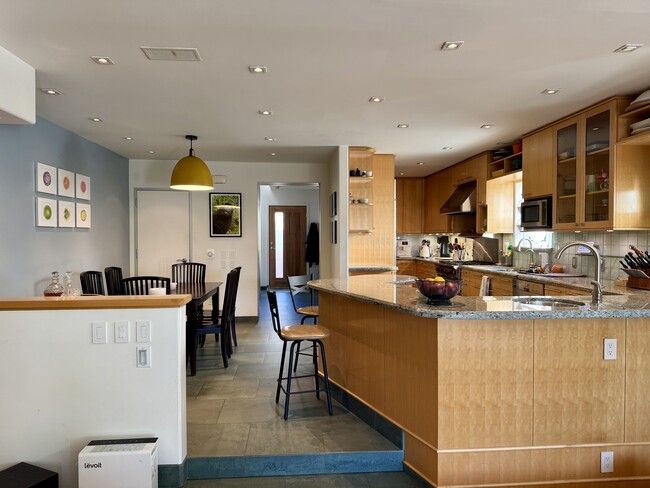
[[296, 334]]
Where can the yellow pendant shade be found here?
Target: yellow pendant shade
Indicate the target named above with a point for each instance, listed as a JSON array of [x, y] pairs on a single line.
[[191, 173]]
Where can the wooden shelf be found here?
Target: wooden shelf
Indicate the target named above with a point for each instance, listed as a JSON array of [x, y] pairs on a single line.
[[641, 139], [505, 164], [642, 110], [562, 197], [597, 192], [598, 151], [360, 179], [360, 231], [361, 204], [567, 160]]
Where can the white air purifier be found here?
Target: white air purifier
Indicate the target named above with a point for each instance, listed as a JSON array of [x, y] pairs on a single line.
[[127, 463]]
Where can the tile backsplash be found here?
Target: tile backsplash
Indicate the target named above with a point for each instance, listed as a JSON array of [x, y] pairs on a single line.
[[612, 246]]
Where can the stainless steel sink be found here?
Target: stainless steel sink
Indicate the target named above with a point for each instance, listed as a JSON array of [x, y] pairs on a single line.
[[549, 302]]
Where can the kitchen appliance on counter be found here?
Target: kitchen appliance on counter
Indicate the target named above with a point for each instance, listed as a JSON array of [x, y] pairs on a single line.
[[445, 247], [403, 248], [536, 214], [425, 249]]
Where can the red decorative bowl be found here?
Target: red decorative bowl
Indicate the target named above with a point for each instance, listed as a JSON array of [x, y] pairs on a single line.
[[439, 291]]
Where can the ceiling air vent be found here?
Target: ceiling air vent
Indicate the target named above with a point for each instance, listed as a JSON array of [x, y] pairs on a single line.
[[171, 53]]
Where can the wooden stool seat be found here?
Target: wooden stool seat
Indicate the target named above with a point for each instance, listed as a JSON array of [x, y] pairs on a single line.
[[304, 332], [309, 311]]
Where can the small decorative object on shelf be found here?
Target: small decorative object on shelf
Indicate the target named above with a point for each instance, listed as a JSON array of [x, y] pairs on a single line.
[[54, 289]]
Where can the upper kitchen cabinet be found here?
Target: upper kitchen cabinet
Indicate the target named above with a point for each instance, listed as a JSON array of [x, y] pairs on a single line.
[[538, 163], [437, 189], [409, 205]]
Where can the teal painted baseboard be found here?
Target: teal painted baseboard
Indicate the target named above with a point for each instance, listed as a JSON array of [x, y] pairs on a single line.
[[172, 475]]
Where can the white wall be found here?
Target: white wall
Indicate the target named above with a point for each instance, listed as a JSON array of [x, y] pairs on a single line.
[[338, 181], [286, 195], [17, 90], [60, 391], [242, 178]]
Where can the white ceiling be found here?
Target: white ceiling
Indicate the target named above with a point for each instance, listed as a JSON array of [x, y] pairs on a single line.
[[325, 60]]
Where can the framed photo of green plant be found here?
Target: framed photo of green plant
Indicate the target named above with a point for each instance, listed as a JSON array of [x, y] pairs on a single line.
[[225, 214]]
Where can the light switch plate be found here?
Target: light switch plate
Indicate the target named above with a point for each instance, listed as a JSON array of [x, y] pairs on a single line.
[[143, 356], [143, 331], [121, 330], [98, 332]]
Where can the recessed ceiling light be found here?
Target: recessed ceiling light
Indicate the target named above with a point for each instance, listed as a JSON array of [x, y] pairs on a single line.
[[402, 126], [487, 126], [96, 119], [452, 45], [128, 138], [550, 91], [103, 60], [265, 112], [447, 148], [50, 91], [152, 152], [596, 128], [272, 154], [257, 69], [376, 99], [401, 174], [419, 163], [628, 48], [269, 139]]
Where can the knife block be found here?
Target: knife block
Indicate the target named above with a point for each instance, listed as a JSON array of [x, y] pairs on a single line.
[[641, 283]]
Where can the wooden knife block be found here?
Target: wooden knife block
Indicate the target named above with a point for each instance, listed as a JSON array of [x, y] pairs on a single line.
[[641, 283]]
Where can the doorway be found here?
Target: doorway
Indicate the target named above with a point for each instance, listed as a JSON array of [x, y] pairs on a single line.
[[162, 230], [287, 231]]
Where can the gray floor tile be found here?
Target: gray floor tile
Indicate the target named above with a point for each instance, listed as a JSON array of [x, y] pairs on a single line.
[[205, 440], [282, 438], [235, 388], [334, 481], [204, 410], [391, 480], [238, 483], [251, 410]]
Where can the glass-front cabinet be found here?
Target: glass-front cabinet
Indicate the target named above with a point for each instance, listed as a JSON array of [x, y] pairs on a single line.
[[584, 160]]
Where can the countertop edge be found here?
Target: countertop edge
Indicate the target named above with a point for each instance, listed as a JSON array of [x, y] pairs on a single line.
[[94, 302]]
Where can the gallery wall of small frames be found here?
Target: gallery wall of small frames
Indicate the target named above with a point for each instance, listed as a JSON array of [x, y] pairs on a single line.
[[61, 208]]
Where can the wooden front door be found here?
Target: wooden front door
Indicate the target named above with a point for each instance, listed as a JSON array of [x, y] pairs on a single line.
[[287, 234]]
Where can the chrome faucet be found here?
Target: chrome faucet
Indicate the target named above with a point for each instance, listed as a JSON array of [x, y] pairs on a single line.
[[532, 251], [597, 292]]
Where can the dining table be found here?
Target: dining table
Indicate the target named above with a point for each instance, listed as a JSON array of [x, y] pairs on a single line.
[[200, 292]]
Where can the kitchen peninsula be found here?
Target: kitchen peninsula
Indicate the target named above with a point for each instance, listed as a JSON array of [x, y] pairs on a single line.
[[494, 392]]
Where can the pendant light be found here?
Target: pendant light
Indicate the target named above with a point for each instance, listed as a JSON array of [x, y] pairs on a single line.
[[191, 173]]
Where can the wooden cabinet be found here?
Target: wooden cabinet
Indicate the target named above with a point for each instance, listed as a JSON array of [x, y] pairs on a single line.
[[406, 267], [538, 163], [500, 286], [409, 205], [437, 189], [425, 269], [501, 204], [471, 282], [554, 290]]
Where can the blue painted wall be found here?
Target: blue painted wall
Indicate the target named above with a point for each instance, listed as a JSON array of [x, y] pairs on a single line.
[[28, 254]]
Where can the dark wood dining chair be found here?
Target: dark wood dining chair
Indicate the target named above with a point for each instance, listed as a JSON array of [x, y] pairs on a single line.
[[220, 325], [140, 285], [295, 334], [188, 273], [113, 276], [92, 283]]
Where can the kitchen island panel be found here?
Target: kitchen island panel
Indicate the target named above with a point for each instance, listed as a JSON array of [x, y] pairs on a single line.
[[354, 349], [579, 396], [485, 383], [637, 381], [410, 371]]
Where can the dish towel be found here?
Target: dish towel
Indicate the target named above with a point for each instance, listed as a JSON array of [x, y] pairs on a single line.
[[485, 286]]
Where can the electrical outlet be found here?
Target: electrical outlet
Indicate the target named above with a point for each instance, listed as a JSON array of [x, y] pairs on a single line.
[[607, 462], [609, 350]]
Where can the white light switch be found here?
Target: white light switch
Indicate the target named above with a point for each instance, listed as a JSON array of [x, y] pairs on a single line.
[[143, 356], [143, 331], [99, 332], [121, 332], [223, 254], [233, 254]]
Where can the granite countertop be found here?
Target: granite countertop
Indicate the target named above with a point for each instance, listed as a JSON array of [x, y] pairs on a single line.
[[397, 293]]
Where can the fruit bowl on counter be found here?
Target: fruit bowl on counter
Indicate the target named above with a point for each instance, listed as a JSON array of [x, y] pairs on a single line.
[[439, 290]]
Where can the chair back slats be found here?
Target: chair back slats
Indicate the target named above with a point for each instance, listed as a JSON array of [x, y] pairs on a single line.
[[92, 283], [275, 314], [113, 276], [188, 273], [140, 285], [297, 285]]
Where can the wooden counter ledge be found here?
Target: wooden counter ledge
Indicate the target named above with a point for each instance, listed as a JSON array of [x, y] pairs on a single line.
[[94, 302]]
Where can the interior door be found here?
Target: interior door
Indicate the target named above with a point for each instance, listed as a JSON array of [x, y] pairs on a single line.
[[287, 234], [162, 231]]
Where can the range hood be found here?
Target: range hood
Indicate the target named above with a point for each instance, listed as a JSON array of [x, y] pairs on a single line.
[[462, 201]]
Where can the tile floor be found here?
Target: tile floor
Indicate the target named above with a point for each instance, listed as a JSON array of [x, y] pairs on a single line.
[[232, 411]]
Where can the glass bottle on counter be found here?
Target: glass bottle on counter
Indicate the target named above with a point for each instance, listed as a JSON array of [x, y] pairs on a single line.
[[54, 289]]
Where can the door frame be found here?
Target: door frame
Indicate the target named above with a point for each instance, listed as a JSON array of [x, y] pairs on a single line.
[[135, 222]]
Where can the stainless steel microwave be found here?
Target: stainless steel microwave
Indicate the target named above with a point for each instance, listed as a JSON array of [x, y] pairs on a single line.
[[536, 214]]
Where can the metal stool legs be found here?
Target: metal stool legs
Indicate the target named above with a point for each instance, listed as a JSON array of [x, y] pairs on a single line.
[[290, 375]]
